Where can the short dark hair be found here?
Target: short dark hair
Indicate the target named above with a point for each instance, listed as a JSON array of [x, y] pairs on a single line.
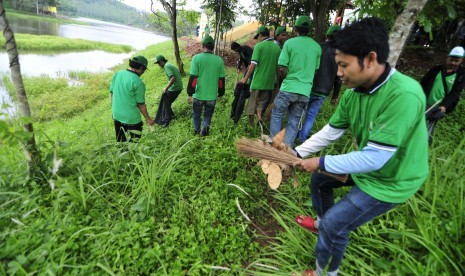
[[135, 65], [362, 37], [302, 30], [265, 33], [209, 46], [235, 45]]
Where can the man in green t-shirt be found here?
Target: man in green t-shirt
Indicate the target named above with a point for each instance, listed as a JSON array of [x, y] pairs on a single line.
[[170, 93], [127, 94], [206, 85], [264, 69], [297, 63], [384, 110], [443, 85]]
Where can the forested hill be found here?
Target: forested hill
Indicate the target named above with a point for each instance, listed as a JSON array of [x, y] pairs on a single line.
[[107, 10]]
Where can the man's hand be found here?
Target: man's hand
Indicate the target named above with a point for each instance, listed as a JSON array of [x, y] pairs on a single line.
[[243, 80], [334, 101], [150, 122], [164, 90], [189, 100], [309, 165], [435, 114], [443, 109]]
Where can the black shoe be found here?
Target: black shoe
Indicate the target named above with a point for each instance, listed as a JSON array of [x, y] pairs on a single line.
[[165, 124], [196, 132], [205, 131]]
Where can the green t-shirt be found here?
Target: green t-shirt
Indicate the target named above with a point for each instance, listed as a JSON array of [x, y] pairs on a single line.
[[301, 55], [127, 90], [170, 71], [393, 115], [437, 91], [208, 68], [265, 55]]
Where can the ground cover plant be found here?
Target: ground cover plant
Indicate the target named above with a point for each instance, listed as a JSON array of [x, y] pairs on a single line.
[[29, 42], [177, 204]]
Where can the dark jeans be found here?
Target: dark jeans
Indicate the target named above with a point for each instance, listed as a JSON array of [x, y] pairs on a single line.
[[313, 107], [122, 130], [338, 220], [292, 103], [321, 187], [165, 112], [207, 107]]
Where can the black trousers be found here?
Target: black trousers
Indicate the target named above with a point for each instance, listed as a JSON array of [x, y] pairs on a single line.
[[123, 130], [165, 112]]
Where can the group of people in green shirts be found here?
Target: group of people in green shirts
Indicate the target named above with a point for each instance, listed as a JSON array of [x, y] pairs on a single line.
[[382, 108], [206, 86]]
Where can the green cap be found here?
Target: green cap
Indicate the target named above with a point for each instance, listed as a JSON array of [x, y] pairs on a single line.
[[279, 30], [141, 60], [208, 40], [260, 30], [332, 29], [160, 58], [303, 21]]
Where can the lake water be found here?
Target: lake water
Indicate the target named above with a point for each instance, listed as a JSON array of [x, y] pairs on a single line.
[[58, 64]]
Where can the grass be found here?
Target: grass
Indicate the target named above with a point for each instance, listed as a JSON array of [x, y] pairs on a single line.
[[167, 206], [28, 42]]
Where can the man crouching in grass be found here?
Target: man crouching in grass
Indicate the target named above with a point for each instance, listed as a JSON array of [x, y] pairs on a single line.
[[385, 112]]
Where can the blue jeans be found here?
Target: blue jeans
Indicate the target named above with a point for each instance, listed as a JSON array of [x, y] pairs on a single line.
[[295, 104], [352, 211], [313, 108], [208, 107], [321, 188]]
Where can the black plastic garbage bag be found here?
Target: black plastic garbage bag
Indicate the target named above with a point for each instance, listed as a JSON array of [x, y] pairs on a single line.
[[241, 93]]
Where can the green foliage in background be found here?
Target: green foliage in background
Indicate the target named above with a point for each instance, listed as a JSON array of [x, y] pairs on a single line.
[[186, 20], [107, 10]]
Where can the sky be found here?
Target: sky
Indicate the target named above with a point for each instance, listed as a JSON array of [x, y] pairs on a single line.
[[191, 4]]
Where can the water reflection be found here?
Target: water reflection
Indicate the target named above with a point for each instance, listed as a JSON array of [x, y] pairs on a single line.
[[6, 103], [36, 27], [60, 64], [95, 30]]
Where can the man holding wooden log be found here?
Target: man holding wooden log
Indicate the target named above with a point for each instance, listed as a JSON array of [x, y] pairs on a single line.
[[385, 112]]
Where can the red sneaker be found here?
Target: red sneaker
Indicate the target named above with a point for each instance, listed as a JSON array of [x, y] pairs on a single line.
[[307, 223]]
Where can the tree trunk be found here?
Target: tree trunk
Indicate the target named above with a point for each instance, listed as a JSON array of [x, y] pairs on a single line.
[[177, 54], [279, 14], [402, 28], [267, 17], [319, 11], [30, 147], [218, 27], [172, 14]]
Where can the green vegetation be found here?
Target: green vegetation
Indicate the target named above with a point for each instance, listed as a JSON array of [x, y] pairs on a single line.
[[107, 10], [33, 16], [165, 206], [54, 43], [186, 21]]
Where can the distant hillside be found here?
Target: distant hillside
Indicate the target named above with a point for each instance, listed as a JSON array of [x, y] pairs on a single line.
[[107, 10]]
